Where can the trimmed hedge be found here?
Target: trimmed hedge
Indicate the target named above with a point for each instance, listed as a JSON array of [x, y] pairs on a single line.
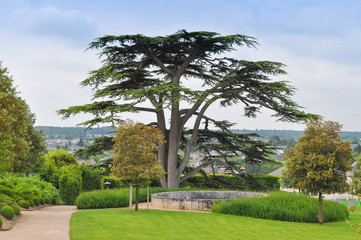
[[218, 181], [1, 222], [24, 204], [8, 212], [291, 207], [16, 209], [112, 198]]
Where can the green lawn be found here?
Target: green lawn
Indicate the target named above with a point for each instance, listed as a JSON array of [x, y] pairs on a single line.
[[156, 224]]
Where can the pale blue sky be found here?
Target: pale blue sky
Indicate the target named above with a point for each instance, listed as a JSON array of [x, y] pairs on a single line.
[[42, 43]]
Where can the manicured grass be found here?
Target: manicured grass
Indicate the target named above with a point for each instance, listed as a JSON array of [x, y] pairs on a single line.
[[157, 224]]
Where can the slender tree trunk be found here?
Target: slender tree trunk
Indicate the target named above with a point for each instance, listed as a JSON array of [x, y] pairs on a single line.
[[320, 212], [136, 197]]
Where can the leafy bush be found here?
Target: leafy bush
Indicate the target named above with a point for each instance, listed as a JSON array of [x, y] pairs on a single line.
[[70, 183], [31, 202], [220, 181], [42, 201], [92, 178], [1, 222], [112, 198], [47, 200], [8, 212], [16, 209], [28, 188], [24, 204], [36, 201], [2, 204], [282, 206]]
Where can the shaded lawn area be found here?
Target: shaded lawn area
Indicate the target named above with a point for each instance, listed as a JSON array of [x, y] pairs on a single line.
[[158, 224]]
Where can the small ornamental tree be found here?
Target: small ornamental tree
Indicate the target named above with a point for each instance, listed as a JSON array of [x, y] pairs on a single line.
[[319, 162], [135, 153]]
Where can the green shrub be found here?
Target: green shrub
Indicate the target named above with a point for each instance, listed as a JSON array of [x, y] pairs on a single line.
[[282, 206], [24, 204], [2, 204], [31, 202], [92, 178], [10, 202], [47, 200], [6, 190], [42, 201], [16, 209], [36, 201], [1, 222], [70, 183], [260, 182], [8, 212]]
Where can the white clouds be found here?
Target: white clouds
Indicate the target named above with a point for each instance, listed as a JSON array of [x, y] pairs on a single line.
[[50, 21], [42, 43]]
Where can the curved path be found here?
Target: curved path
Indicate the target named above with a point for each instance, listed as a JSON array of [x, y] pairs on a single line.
[[49, 223]]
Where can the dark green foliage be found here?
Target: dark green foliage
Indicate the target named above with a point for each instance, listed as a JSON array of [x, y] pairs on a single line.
[[24, 204], [1, 222], [16, 209], [70, 183], [42, 201], [218, 181], [91, 177], [284, 207], [8, 212], [47, 200], [36, 201]]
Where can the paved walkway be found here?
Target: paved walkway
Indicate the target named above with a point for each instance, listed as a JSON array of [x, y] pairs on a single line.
[[49, 223]]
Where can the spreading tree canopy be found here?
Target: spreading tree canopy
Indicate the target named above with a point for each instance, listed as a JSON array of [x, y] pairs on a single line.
[[148, 74], [319, 162]]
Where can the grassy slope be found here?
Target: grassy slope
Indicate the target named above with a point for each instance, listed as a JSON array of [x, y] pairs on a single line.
[[156, 224]]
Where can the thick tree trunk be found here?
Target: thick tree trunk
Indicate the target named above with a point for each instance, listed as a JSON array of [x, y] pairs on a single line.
[[320, 212], [173, 143]]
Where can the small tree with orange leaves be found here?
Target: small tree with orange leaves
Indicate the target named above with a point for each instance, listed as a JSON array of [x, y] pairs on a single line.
[[319, 162], [135, 153]]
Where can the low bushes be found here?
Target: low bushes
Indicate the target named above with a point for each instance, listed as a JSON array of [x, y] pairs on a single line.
[[27, 188], [16, 209], [1, 222], [112, 198], [24, 204], [8, 212], [282, 206]]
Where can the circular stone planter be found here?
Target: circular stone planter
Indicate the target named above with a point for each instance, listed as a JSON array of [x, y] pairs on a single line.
[[196, 200]]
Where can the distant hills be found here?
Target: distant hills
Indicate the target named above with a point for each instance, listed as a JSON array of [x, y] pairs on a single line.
[[69, 133]]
